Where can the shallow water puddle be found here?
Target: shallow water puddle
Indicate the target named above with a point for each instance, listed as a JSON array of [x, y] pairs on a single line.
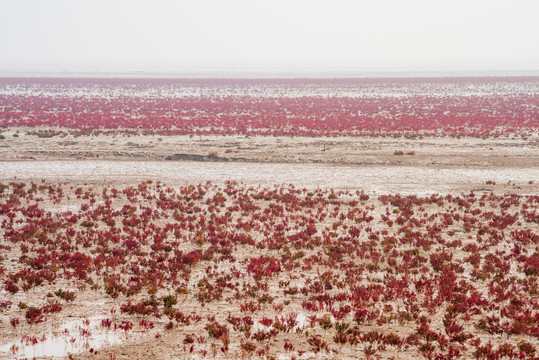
[[75, 337]]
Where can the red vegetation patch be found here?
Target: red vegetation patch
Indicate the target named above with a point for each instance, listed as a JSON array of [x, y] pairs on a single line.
[[440, 276], [303, 107]]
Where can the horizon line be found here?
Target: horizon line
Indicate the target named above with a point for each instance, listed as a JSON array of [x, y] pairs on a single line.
[[267, 72]]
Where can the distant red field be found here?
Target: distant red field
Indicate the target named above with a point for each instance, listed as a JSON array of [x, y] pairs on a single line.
[[500, 106]]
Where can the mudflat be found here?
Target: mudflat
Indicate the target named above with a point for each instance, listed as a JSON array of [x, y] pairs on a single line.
[[376, 164]]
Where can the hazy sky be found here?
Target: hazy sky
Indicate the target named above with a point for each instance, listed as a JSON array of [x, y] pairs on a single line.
[[236, 34]]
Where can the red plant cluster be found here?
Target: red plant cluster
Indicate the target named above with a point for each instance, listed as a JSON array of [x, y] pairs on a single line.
[[441, 276], [304, 107]]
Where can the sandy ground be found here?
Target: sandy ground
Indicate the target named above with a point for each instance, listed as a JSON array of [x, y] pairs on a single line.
[[371, 179], [429, 152], [445, 165]]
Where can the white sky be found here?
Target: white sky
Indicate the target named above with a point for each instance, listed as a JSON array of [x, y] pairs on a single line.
[[260, 34]]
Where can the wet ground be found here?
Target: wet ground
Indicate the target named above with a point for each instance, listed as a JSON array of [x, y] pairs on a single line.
[[371, 179]]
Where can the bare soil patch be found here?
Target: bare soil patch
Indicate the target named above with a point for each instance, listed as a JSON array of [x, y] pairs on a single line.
[[429, 152]]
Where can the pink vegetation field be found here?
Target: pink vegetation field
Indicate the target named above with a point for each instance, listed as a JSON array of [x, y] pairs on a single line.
[[102, 260], [319, 107], [235, 271]]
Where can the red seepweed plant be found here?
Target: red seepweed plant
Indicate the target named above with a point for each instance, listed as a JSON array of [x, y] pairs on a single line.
[[317, 266]]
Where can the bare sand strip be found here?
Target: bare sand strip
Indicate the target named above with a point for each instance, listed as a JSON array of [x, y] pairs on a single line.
[[372, 179]]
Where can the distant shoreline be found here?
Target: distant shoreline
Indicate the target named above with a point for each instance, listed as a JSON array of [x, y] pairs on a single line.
[[381, 73], [253, 80]]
